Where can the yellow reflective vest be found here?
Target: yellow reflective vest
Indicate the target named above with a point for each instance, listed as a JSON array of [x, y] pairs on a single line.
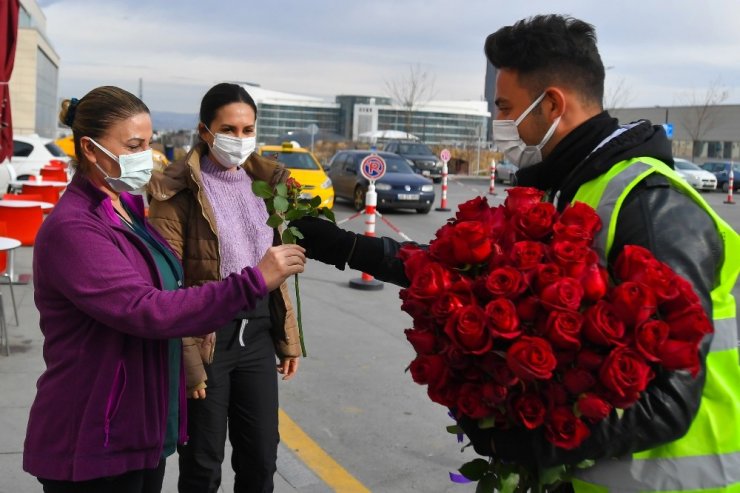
[[707, 458]]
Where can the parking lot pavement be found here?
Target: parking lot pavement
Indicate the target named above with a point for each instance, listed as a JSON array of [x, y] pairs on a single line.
[[18, 375]]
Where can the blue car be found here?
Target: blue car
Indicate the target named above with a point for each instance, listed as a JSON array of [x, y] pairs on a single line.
[[721, 170], [399, 188]]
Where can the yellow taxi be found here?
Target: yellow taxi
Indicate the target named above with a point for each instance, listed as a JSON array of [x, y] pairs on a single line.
[[305, 168]]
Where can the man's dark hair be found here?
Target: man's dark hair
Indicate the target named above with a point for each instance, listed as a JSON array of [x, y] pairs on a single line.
[[550, 50]]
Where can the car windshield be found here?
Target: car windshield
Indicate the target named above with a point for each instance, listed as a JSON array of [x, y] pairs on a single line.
[[686, 165], [294, 160], [414, 149], [395, 164], [55, 150]]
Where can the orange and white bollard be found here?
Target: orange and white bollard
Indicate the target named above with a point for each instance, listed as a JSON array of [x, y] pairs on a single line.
[[368, 282], [730, 186], [492, 188], [443, 205]]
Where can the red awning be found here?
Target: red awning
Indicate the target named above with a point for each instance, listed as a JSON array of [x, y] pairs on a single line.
[[8, 38]]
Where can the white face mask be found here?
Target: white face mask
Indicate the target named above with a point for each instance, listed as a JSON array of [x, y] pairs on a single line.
[[507, 138], [136, 169], [230, 151]]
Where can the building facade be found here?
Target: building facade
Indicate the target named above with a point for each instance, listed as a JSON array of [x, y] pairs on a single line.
[[34, 81], [435, 122], [698, 133]]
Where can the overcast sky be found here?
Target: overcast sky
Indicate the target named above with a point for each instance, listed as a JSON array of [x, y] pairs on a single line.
[[661, 52]]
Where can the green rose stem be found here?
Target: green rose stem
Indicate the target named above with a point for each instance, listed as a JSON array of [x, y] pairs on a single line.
[[284, 204]]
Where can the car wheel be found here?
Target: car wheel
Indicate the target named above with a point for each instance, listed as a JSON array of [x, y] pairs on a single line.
[[437, 180], [424, 210], [359, 198], [726, 187]]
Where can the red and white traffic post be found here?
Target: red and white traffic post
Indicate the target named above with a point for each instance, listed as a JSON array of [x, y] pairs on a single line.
[[445, 157], [730, 186], [492, 188], [373, 168]]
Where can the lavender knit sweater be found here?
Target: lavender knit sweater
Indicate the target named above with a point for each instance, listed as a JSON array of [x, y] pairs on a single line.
[[243, 236]]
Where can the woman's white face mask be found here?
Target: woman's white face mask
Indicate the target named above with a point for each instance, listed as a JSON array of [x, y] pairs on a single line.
[[136, 169], [230, 151], [507, 139]]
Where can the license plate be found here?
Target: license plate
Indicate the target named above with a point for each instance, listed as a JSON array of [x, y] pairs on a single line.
[[426, 172], [305, 196], [408, 196]]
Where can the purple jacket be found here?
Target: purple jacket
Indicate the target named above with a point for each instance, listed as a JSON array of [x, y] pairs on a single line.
[[101, 405]]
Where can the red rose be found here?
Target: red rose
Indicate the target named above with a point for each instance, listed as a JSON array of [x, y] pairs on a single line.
[[502, 319], [563, 429], [661, 280], [563, 329], [493, 394], [525, 255], [595, 281], [680, 355], [466, 242], [445, 394], [414, 259], [519, 199], [626, 374], [529, 410], [430, 283], [590, 360], [565, 293], [418, 309], [578, 223], [505, 281], [633, 302], [528, 308], [473, 210], [469, 401], [602, 325], [495, 366], [424, 342], [572, 257], [535, 222], [593, 407], [578, 380], [428, 370], [455, 357], [631, 262], [649, 338], [690, 324], [531, 358], [459, 295], [467, 328], [686, 296], [547, 274]]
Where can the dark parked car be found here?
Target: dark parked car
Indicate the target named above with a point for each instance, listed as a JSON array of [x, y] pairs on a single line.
[[424, 160], [721, 170], [399, 188], [506, 172]]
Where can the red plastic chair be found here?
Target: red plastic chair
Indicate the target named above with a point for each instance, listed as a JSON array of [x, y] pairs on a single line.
[[22, 196], [49, 193], [53, 173], [22, 223], [4, 274]]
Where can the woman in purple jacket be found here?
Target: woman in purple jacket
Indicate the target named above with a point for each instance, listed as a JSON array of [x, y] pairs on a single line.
[[110, 405]]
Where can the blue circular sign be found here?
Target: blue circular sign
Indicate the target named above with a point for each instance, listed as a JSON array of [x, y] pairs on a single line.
[[373, 167]]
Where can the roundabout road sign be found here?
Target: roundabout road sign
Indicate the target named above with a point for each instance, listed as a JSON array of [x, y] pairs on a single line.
[[373, 167]]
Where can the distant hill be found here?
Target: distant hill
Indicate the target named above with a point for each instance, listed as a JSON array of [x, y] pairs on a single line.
[[167, 120]]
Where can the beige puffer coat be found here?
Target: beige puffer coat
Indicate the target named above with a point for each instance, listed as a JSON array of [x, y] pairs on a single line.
[[180, 211]]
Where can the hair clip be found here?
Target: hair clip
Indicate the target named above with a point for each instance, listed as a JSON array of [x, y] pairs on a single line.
[[71, 109]]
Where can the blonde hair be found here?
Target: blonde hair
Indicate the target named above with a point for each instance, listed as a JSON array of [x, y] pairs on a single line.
[[95, 113]]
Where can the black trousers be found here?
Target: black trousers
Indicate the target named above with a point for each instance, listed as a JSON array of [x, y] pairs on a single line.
[[142, 481], [242, 389]]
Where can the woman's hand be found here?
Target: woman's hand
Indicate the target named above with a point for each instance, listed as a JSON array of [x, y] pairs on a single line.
[[281, 262], [198, 394], [288, 367]]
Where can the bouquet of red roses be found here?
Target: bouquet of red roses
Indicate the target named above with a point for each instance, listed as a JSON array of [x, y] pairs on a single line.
[[516, 322]]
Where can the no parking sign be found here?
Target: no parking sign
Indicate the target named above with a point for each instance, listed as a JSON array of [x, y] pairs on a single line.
[[373, 167]]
